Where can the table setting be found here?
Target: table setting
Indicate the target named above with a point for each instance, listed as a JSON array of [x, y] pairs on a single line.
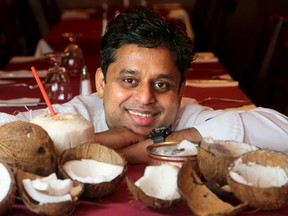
[[24, 85]]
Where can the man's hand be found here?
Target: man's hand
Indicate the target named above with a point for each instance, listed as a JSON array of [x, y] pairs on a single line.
[[136, 153], [190, 134], [117, 138]]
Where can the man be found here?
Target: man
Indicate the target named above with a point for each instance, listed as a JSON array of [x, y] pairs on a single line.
[[139, 88]]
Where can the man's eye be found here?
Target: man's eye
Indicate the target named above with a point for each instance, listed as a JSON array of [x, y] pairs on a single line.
[[161, 86], [130, 82]]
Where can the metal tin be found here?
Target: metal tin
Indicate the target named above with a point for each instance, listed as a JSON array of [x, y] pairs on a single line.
[[158, 156]]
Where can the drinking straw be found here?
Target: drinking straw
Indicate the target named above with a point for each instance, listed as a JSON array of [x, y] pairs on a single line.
[[44, 93]]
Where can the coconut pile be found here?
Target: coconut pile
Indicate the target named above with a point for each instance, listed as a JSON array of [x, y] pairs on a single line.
[[49, 178], [230, 178]]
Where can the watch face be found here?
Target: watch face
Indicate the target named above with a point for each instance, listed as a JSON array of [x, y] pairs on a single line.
[[159, 134]]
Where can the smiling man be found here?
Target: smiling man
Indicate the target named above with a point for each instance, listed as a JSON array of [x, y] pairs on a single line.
[[146, 88], [144, 59]]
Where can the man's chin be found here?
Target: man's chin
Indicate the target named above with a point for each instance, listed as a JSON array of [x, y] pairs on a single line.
[[142, 132]]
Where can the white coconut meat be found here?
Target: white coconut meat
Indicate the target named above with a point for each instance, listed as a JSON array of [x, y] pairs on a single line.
[[5, 182], [160, 182], [67, 130], [185, 148], [235, 148], [92, 171], [188, 148], [256, 175], [49, 189]]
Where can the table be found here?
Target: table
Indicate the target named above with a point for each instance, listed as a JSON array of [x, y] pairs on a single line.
[[120, 202]]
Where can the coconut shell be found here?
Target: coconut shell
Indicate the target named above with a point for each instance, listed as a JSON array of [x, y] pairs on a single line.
[[199, 198], [7, 203], [27, 146], [98, 152], [215, 158], [262, 198], [149, 201], [53, 209]]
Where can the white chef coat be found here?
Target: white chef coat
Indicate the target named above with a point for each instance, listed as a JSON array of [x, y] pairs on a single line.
[[265, 128]]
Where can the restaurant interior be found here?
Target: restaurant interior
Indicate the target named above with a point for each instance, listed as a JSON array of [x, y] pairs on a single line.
[[241, 62]]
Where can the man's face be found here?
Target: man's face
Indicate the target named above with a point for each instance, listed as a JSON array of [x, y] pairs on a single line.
[[142, 89]]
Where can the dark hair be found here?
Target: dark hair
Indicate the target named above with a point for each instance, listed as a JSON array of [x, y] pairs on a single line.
[[146, 28]]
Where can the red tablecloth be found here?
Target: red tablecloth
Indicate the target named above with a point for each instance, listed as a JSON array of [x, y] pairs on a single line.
[[120, 202]]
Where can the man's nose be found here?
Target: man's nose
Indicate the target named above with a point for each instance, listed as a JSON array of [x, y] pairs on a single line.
[[144, 94]]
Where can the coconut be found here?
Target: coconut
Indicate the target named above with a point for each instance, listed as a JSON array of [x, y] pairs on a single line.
[[200, 199], [7, 188], [70, 165], [67, 130], [260, 178], [157, 188], [27, 146], [215, 156], [41, 201]]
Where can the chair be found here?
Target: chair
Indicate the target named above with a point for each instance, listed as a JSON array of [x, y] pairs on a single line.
[[19, 26], [279, 97], [208, 20], [267, 60], [51, 11]]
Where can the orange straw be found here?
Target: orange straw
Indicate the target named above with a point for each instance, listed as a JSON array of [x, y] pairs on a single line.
[[44, 93]]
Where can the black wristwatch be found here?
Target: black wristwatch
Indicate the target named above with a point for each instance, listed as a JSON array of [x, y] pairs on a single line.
[[159, 134]]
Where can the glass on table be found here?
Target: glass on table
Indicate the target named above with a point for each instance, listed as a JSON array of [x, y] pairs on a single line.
[[57, 82], [74, 62]]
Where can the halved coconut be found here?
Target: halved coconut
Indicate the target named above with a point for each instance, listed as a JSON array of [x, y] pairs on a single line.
[[67, 130], [157, 188], [97, 181], [215, 156], [28, 147], [7, 188], [260, 178], [199, 198], [41, 202]]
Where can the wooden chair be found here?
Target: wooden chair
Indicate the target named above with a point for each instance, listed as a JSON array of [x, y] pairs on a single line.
[[267, 58], [19, 26]]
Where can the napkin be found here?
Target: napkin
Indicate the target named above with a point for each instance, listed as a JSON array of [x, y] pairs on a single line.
[[22, 59], [211, 83], [5, 82], [20, 102], [22, 74], [42, 47], [205, 57]]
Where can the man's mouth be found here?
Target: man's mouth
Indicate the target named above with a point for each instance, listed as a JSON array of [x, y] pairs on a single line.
[[141, 115]]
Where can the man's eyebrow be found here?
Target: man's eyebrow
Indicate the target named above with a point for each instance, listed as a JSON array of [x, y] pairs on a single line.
[[133, 71], [166, 76], [128, 71]]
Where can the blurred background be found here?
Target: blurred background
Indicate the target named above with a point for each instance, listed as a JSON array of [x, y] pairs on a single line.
[[248, 36]]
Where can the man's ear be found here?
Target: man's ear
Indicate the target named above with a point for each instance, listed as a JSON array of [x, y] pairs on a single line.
[[100, 82]]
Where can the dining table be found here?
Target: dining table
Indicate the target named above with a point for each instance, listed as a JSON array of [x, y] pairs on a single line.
[[120, 201]]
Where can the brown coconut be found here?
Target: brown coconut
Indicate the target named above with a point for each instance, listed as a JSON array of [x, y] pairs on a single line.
[[257, 197], [199, 198], [98, 152], [8, 201], [27, 146], [215, 156], [149, 201], [53, 209]]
